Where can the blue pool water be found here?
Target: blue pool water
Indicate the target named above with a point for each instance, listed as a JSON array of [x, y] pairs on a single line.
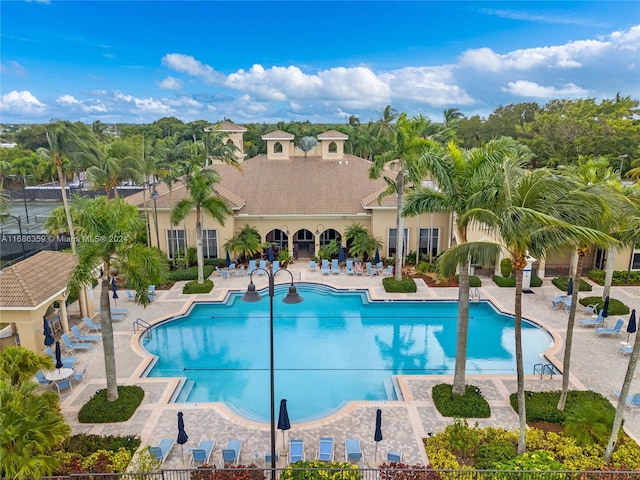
[[329, 349]]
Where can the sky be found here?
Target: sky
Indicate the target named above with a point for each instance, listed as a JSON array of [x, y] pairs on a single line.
[[254, 62]]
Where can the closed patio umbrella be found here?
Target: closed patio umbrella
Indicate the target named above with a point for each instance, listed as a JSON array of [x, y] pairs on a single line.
[[59, 364], [605, 308], [114, 287], [632, 325], [341, 258], [376, 258], [570, 287], [228, 259], [271, 255], [377, 436], [182, 434], [48, 335], [283, 419]]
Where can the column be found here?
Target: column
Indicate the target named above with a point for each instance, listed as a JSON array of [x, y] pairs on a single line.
[[542, 267], [82, 300], [63, 316]]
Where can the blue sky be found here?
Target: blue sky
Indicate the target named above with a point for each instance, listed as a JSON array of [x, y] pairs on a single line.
[[122, 61]]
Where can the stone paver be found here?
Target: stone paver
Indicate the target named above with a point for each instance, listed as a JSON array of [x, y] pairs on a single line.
[[596, 365]]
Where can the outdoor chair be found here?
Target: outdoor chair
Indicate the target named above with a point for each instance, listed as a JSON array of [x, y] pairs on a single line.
[[202, 454], [79, 375], [240, 271], [350, 270], [296, 451], [335, 268], [231, 454], [394, 456], [626, 349], [388, 272], [84, 338], [358, 269], [592, 322], [632, 400], [161, 452], [325, 451], [611, 331], [312, 266], [325, 267], [67, 362], [224, 274], [369, 269], [90, 325], [263, 267], [352, 450], [131, 296], [41, 379], [267, 458], [252, 266], [275, 266], [63, 386], [71, 346]]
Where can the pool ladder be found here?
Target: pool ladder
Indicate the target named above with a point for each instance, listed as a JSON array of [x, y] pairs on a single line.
[[139, 324], [474, 295], [544, 368]]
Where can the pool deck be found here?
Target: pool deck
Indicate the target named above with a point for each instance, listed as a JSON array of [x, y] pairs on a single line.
[[595, 364]]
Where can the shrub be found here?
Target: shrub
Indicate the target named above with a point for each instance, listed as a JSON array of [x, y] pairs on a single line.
[[401, 471], [470, 405], [192, 256], [315, 470], [506, 267], [588, 423], [99, 410], [474, 281], [616, 307], [619, 277], [496, 451], [195, 287], [425, 267], [406, 285], [284, 257], [410, 258], [190, 273], [563, 283], [85, 444], [540, 460], [230, 472], [511, 281]]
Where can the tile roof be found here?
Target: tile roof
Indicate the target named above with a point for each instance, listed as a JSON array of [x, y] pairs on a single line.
[[333, 135], [278, 135], [34, 280], [227, 126]]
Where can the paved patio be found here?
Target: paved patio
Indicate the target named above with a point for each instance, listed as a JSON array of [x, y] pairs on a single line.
[[596, 365]]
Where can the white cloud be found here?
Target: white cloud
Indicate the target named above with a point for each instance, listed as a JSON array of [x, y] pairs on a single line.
[[70, 101], [435, 86], [188, 64], [12, 68], [171, 83], [524, 88], [23, 102], [145, 105]]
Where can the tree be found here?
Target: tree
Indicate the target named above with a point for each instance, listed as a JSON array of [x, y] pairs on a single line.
[[113, 163], [457, 175], [405, 159], [200, 183], [64, 139], [307, 144], [245, 243], [108, 229], [18, 364]]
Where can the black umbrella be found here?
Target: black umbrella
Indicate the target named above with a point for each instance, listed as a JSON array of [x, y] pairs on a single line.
[[632, 325], [570, 287], [376, 258], [283, 419], [605, 309], [228, 259], [48, 335], [59, 364], [182, 435], [114, 287], [377, 436], [341, 258]]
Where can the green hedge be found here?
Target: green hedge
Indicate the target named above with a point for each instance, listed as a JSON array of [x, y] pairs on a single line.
[[195, 287], [619, 277], [473, 281], [190, 273], [316, 470], [85, 444], [541, 406], [99, 410], [563, 283], [511, 281], [470, 405], [616, 307], [406, 285]]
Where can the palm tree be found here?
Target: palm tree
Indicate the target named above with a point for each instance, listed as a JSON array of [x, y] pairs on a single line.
[[109, 229], [65, 139], [457, 175], [114, 162], [245, 243], [200, 183], [520, 207], [215, 147], [18, 364], [406, 159]]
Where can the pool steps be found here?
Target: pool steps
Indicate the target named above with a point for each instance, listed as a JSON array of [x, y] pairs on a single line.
[[392, 388], [184, 390]]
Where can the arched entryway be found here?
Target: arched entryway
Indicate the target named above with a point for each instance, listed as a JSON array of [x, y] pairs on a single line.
[[303, 244], [329, 235], [279, 238]]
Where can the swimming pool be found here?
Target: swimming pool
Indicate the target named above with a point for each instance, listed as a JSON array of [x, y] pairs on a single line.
[[334, 347]]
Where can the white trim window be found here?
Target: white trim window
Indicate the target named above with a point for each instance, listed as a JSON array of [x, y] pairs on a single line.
[[391, 242], [429, 242], [176, 241], [210, 243]]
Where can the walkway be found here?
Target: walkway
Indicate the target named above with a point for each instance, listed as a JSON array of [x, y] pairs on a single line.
[[596, 364]]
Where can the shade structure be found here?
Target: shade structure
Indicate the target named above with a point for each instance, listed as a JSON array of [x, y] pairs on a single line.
[[377, 436], [48, 335], [182, 434], [376, 258], [228, 259], [570, 287], [632, 326], [605, 308], [58, 356], [341, 257], [283, 419]]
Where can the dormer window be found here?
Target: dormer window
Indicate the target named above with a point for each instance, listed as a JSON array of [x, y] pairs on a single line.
[[277, 148], [229, 142], [333, 147]]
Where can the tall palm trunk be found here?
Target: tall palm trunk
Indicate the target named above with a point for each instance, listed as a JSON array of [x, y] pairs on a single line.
[[566, 363], [65, 202], [107, 338], [463, 329], [520, 263], [199, 249], [400, 224], [608, 278], [146, 217]]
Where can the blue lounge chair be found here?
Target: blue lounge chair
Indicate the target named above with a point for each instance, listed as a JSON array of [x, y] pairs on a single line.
[[84, 338], [325, 267], [263, 267], [202, 454], [358, 268], [161, 452], [567, 304], [67, 362], [394, 456], [611, 331], [325, 451], [119, 311], [592, 322], [626, 349], [151, 293], [312, 266], [350, 270], [275, 266], [267, 458], [558, 302], [131, 296], [632, 401], [296, 451], [352, 450], [252, 266], [231, 454], [90, 325], [335, 268], [71, 346], [388, 272], [369, 269], [592, 309]]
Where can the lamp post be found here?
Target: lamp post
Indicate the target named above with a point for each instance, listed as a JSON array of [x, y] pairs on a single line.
[[292, 298], [622, 158], [154, 197], [23, 180], [24, 251]]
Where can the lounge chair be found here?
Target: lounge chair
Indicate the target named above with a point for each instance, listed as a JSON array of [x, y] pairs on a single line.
[[252, 266], [350, 270], [90, 325], [567, 304], [632, 401], [592, 322], [67, 362], [275, 266], [335, 267], [369, 269], [592, 309], [267, 458], [240, 271], [263, 267], [84, 338], [231, 454], [71, 346], [626, 349], [131, 296], [611, 331], [202, 454], [161, 452], [312, 266], [325, 267], [358, 268], [352, 450], [119, 311], [558, 302], [224, 274], [394, 456], [151, 293], [296, 451], [388, 272], [325, 451]]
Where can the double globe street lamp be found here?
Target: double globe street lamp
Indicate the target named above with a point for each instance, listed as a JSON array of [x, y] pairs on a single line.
[[291, 298]]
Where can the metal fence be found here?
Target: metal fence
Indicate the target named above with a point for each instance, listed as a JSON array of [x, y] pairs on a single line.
[[382, 473]]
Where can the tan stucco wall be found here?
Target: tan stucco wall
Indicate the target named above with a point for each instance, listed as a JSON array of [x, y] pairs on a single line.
[[338, 155], [28, 325], [287, 150]]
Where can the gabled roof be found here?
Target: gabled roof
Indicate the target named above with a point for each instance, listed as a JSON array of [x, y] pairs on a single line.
[[227, 126], [333, 135], [36, 279], [278, 135]]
